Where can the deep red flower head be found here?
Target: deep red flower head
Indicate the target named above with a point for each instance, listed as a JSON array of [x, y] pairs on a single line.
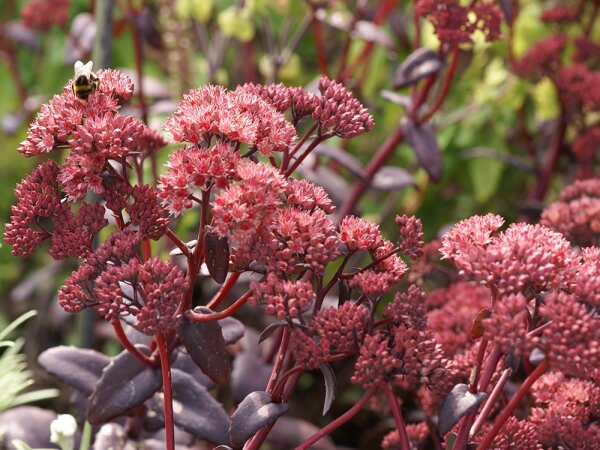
[[284, 299], [543, 58], [41, 15]]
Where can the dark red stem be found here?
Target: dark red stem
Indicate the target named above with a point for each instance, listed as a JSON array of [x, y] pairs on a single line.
[[400, 426], [509, 408], [220, 296], [165, 368], [444, 90], [198, 317], [317, 28], [331, 426], [127, 345], [489, 402]]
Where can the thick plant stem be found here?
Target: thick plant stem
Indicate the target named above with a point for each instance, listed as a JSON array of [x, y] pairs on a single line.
[[165, 368], [331, 426], [508, 409], [489, 403], [198, 317], [400, 426]]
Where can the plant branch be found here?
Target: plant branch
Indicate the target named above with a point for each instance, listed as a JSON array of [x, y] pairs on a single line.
[[167, 389], [198, 317], [127, 345], [400, 426]]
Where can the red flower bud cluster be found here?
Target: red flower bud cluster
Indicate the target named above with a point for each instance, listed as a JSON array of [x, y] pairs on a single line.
[[39, 214], [379, 277], [339, 112], [282, 298], [41, 15], [417, 433], [543, 58], [333, 331], [411, 236], [455, 23]]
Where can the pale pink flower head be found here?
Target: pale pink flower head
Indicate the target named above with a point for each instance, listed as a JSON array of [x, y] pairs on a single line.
[[116, 84], [507, 325], [418, 434], [576, 214], [308, 196], [192, 168], [587, 284], [515, 434], [360, 234], [240, 116], [472, 233], [339, 112], [529, 258], [572, 339], [282, 298]]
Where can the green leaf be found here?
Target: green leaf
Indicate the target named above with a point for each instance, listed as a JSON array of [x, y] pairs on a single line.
[[485, 174]]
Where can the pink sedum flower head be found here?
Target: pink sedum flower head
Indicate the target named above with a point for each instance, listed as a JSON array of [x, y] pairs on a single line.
[[515, 434], [360, 234], [308, 196], [507, 326], [471, 233], [411, 236], [576, 214], [339, 113], [283, 299], [239, 116], [418, 434], [192, 168], [543, 58], [379, 278], [572, 340]]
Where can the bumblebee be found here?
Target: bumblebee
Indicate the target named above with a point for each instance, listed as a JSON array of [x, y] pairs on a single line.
[[85, 81]]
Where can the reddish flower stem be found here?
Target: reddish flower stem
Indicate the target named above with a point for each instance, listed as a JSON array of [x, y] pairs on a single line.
[[198, 317], [220, 296], [331, 426], [384, 10], [139, 60], [127, 345], [319, 43], [400, 426], [444, 90], [306, 152], [279, 360], [508, 409], [178, 242], [489, 403], [539, 330], [165, 368], [543, 182]]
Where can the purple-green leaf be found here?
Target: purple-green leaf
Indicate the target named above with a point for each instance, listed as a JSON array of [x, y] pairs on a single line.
[[216, 256], [205, 344], [419, 64], [254, 412], [459, 402], [125, 383], [424, 143], [77, 367]]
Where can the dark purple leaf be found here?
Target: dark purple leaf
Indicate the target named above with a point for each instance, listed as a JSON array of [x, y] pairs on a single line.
[[270, 329], [205, 344], [536, 356], [17, 32], [459, 402], [197, 411], [419, 64], [249, 374], [147, 27], [125, 383], [330, 385], [342, 157], [370, 32], [81, 37], [392, 179], [289, 432], [507, 9], [399, 99], [27, 423], [184, 362], [254, 412], [424, 143], [77, 367], [233, 330], [344, 292], [216, 256]]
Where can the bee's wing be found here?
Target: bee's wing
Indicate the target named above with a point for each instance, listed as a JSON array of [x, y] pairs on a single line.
[[83, 69]]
